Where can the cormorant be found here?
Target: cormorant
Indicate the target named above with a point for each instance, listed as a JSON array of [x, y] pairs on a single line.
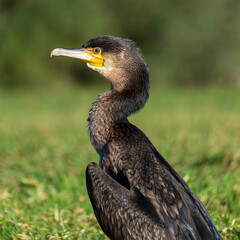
[[134, 191]]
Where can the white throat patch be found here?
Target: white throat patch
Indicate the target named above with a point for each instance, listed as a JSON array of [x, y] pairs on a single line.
[[93, 67], [102, 70]]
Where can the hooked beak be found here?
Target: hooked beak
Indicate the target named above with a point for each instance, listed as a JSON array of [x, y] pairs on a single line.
[[87, 55]]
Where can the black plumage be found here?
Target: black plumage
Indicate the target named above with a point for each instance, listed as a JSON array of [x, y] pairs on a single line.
[[134, 192]]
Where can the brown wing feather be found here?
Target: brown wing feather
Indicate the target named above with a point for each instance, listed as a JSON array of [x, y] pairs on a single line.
[[154, 183], [119, 216]]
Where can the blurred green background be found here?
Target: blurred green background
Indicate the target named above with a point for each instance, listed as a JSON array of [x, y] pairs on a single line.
[[184, 43], [192, 117]]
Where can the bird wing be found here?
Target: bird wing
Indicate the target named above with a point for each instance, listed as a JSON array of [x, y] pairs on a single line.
[[170, 196], [119, 216], [199, 213], [151, 180]]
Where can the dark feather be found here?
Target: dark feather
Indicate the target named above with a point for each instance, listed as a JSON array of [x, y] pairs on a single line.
[[137, 195], [134, 192]]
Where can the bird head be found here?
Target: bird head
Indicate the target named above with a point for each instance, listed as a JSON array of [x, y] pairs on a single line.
[[119, 60]]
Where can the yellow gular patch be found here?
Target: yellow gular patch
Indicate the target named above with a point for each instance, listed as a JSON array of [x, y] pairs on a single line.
[[97, 59]]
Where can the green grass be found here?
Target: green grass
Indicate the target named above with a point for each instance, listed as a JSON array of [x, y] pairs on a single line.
[[44, 151]]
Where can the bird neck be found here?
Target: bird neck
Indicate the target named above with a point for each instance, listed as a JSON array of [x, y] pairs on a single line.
[[112, 108]]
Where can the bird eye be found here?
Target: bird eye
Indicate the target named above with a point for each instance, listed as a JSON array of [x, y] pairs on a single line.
[[97, 50]]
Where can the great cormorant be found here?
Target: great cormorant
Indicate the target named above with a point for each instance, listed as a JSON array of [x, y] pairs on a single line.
[[134, 191]]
